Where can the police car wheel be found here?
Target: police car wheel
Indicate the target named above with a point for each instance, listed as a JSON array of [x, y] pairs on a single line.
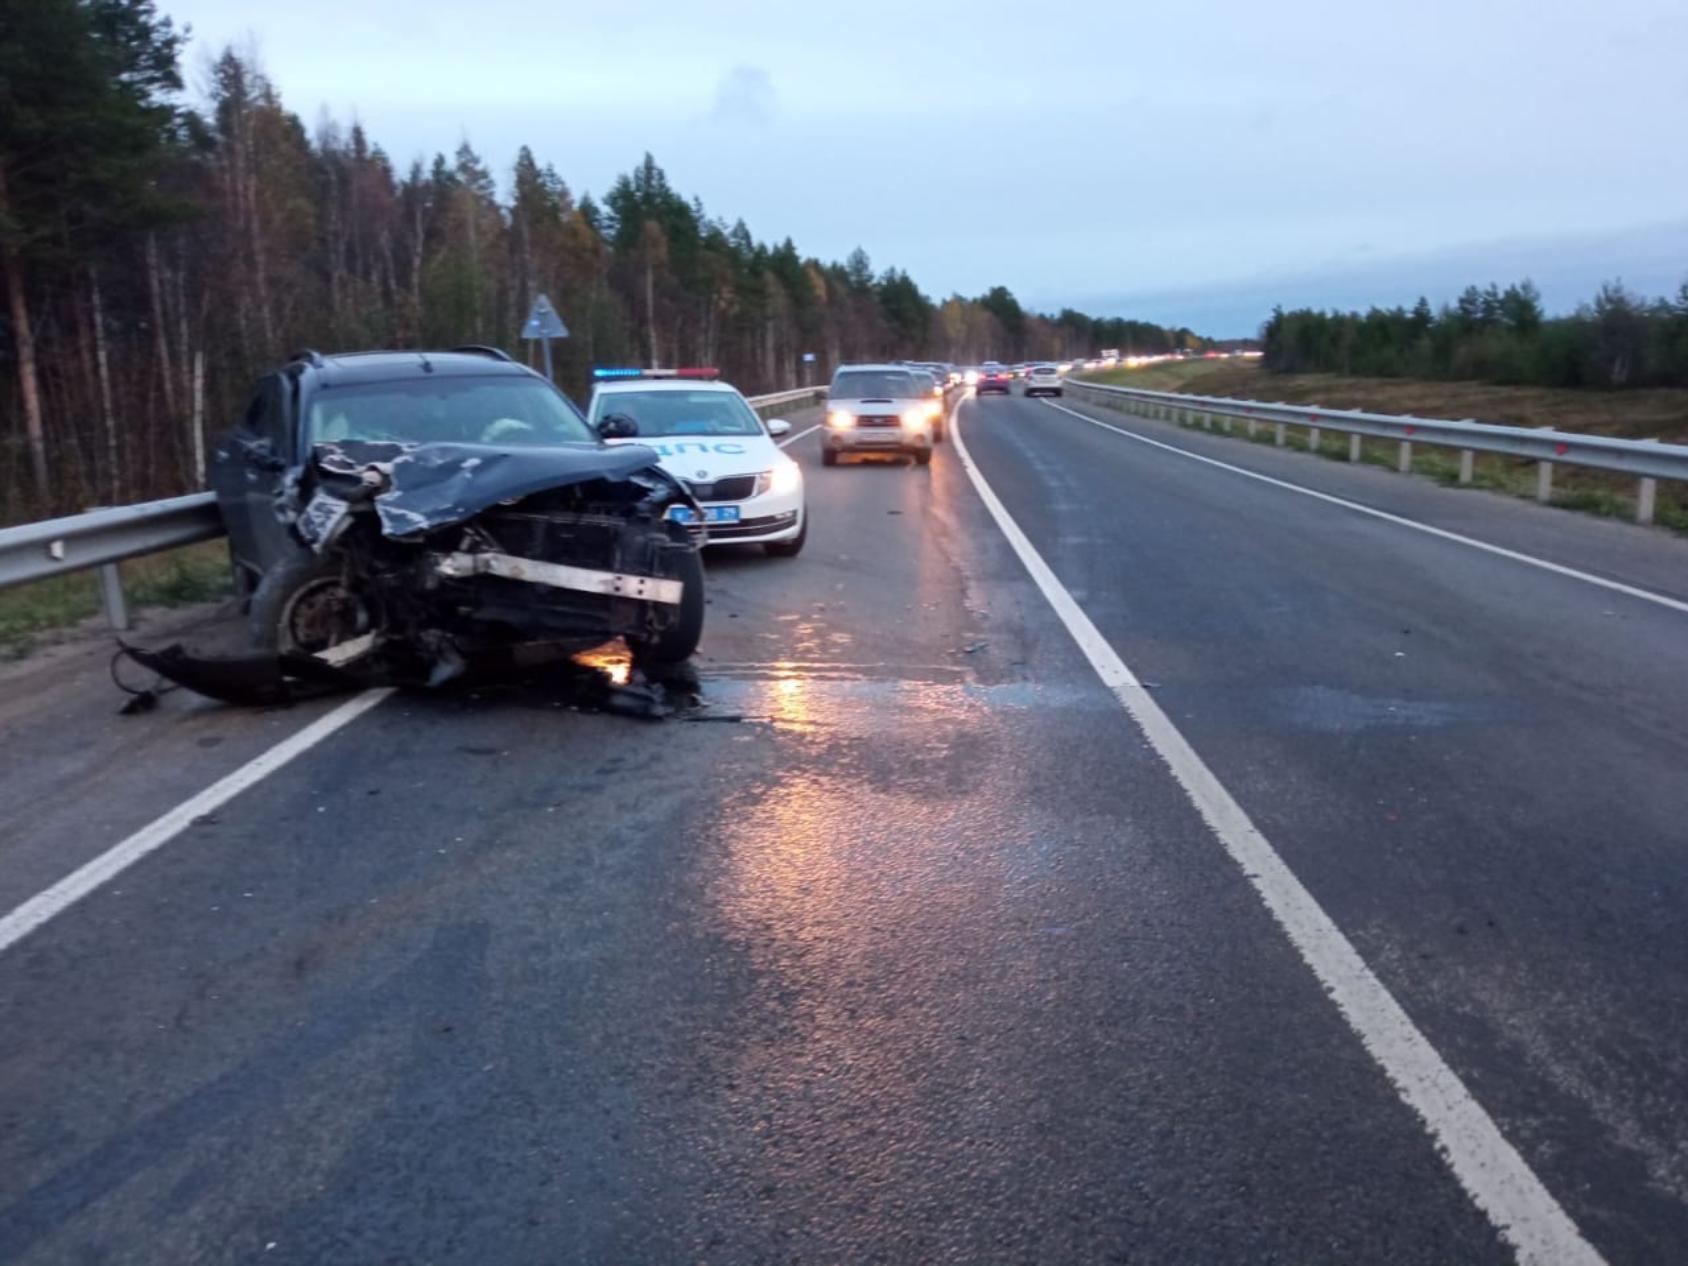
[[679, 640], [791, 548], [829, 457], [923, 457]]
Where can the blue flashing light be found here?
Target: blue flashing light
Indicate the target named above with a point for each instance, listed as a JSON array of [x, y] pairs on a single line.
[[602, 372]]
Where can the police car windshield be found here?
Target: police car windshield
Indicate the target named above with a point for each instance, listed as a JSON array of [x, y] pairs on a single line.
[[874, 384], [680, 412], [505, 409]]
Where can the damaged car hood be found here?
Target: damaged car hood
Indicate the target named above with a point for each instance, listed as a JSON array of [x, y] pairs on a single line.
[[430, 486]]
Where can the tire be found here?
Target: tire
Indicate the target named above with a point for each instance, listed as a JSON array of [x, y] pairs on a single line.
[[922, 457], [302, 606], [938, 434], [793, 547], [679, 640], [829, 457], [1057, 393]]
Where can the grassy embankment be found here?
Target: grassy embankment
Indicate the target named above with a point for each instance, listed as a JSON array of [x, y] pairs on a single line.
[[29, 613], [1643, 414]]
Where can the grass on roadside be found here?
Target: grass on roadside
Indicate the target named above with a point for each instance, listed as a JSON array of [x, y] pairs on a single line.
[[194, 573], [1653, 414]]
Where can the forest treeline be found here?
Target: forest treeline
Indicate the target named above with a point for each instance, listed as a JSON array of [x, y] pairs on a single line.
[[158, 255], [1494, 335]]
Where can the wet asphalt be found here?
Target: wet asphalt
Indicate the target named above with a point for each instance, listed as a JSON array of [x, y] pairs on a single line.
[[904, 946]]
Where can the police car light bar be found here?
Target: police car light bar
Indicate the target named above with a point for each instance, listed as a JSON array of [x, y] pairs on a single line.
[[601, 372]]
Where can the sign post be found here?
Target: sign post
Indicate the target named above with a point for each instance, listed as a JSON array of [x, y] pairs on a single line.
[[808, 359], [544, 324]]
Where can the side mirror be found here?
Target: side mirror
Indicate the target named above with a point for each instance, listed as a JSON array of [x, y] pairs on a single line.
[[778, 427], [617, 426]]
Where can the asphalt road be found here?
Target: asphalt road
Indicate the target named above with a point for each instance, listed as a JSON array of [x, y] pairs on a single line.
[[907, 946]]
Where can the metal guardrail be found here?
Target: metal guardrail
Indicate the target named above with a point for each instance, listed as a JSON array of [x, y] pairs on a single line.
[[104, 538], [779, 399], [1647, 460]]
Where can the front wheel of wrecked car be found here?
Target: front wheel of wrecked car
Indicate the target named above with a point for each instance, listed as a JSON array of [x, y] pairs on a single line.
[[305, 606], [679, 640]]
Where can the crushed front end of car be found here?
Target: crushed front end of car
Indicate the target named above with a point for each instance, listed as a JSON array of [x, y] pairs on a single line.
[[416, 562]]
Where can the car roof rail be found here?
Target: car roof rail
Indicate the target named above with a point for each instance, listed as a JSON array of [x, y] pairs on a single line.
[[481, 349], [309, 355]]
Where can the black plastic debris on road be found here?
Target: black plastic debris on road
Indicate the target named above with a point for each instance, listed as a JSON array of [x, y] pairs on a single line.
[[605, 679]]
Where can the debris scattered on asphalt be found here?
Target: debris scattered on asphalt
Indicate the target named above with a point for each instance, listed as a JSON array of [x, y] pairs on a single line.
[[603, 679], [139, 701]]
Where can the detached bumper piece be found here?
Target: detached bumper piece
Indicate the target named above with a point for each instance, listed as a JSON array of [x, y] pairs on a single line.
[[562, 576], [254, 681]]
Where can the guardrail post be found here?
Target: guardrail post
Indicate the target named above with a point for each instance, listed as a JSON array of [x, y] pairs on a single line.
[[1544, 476], [1251, 428], [1225, 423], [1404, 463], [111, 597], [1278, 435], [1354, 447], [1467, 465], [1312, 439], [1646, 495]]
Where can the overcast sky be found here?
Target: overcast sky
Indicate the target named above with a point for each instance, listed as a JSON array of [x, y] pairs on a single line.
[[1187, 162]]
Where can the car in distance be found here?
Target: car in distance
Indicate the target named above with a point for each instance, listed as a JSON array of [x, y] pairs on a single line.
[[1043, 380], [708, 437], [936, 410], [877, 409], [994, 377]]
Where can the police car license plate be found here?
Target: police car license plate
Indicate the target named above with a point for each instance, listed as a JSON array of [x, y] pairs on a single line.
[[711, 514]]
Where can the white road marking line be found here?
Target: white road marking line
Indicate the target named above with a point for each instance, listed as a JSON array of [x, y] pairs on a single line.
[[1490, 1170], [792, 439], [33, 913], [1617, 586]]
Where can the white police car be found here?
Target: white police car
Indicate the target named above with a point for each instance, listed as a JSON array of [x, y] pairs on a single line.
[[708, 436]]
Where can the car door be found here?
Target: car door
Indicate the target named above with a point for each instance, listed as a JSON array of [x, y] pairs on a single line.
[[247, 470]]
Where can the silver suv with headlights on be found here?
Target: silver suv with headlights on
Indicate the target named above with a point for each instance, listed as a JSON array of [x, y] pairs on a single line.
[[879, 409]]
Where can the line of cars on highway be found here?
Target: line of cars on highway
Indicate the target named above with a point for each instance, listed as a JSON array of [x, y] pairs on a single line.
[[400, 517]]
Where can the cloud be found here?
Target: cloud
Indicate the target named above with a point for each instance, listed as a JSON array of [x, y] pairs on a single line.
[[745, 94]]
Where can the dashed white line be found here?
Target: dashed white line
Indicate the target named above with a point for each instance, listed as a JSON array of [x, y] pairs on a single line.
[[1489, 1168], [1558, 569], [33, 913]]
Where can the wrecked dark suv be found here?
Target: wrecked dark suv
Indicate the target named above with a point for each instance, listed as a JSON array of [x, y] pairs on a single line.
[[394, 515]]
